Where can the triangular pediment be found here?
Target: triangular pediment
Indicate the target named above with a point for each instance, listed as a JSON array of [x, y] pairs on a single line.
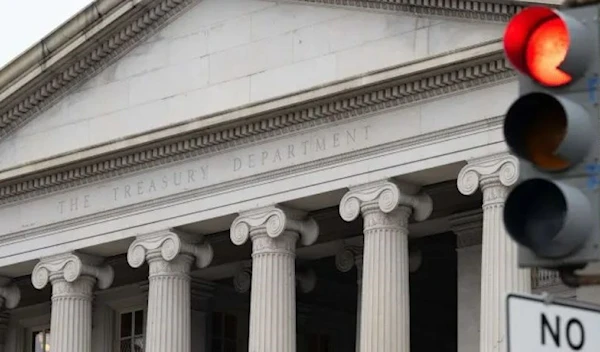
[[222, 54]]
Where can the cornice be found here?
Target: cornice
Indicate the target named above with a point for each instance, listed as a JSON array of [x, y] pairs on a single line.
[[462, 9], [54, 78], [42, 90], [402, 91]]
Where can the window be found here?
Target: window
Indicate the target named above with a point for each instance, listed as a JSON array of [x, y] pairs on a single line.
[[317, 342], [224, 332], [40, 340], [131, 336]]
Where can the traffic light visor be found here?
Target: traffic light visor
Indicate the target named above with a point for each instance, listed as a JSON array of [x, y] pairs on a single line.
[[546, 45], [550, 218], [550, 132]]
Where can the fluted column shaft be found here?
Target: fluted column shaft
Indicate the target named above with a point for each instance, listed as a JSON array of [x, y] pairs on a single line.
[[274, 232], [169, 304], [500, 273], [385, 307], [273, 293], [170, 255], [384, 311], [71, 317], [73, 276]]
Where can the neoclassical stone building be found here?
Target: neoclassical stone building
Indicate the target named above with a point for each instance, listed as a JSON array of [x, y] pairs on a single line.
[[263, 176]]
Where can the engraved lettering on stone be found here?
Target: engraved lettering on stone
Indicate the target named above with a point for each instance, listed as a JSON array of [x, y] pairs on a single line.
[[318, 144], [194, 175], [139, 188], [74, 204]]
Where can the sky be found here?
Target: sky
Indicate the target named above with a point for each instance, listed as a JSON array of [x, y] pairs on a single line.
[[24, 22]]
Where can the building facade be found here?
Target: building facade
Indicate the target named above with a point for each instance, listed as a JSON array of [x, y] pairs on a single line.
[[253, 175]]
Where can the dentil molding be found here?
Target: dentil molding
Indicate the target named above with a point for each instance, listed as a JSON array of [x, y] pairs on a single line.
[[463, 9], [402, 91], [42, 94], [85, 65]]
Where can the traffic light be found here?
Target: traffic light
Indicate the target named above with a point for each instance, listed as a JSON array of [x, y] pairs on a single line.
[[553, 129]]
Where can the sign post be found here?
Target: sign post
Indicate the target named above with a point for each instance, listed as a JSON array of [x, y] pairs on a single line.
[[538, 324]]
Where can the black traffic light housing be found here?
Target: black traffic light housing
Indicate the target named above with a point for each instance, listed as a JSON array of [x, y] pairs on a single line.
[[553, 128]]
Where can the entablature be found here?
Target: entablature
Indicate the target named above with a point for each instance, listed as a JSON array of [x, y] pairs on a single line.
[[402, 86]]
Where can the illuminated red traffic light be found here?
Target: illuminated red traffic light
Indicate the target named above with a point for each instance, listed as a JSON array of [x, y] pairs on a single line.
[[546, 49], [538, 42]]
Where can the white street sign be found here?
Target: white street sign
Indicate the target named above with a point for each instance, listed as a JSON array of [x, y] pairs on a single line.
[[535, 325]]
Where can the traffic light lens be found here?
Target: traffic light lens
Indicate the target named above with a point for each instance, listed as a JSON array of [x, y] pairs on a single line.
[[546, 49], [535, 127], [552, 219], [534, 213], [545, 45], [545, 132]]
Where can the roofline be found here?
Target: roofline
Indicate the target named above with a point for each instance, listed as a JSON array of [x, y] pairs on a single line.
[[78, 25]]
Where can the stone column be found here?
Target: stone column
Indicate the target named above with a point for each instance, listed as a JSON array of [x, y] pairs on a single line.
[[306, 279], [73, 276], [468, 227], [170, 255], [274, 232], [386, 208], [345, 259], [499, 271]]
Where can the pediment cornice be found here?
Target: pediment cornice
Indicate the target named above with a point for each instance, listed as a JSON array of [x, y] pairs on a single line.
[[47, 81], [482, 65], [487, 11], [43, 79]]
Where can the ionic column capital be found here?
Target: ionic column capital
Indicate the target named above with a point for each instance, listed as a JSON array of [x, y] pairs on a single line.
[[349, 256], [9, 293], [167, 245], [385, 196], [242, 279], [494, 170], [70, 267], [274, 221]]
